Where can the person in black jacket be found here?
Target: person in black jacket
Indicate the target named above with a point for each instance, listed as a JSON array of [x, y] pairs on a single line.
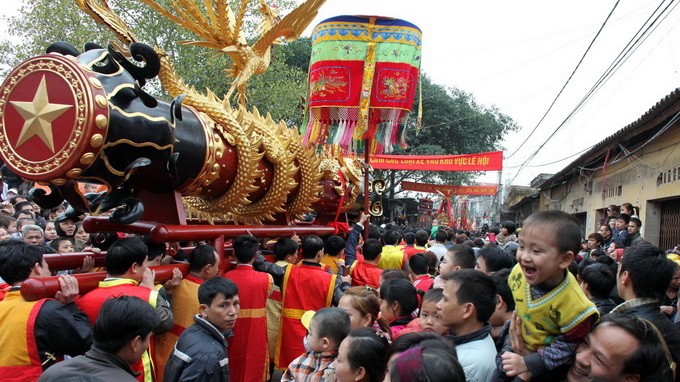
[[644, 274], [121, 335], [200, 354]]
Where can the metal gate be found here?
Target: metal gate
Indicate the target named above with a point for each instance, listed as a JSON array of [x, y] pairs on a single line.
[[669, 236]]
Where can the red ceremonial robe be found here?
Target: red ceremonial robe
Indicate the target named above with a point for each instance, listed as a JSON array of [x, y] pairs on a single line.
[[305, 287], [249, 347], [92, 301], [19, 357]]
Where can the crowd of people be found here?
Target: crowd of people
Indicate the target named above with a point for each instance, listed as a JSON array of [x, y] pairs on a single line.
[[536, 303]]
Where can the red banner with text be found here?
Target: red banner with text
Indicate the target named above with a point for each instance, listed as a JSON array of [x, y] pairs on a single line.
[[485, 189], [490, 161]]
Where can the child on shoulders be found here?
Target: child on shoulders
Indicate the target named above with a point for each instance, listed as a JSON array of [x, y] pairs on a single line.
[[553, 315]]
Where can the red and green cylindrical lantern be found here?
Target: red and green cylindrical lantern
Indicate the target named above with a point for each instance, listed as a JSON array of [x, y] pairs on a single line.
[[363, 78]]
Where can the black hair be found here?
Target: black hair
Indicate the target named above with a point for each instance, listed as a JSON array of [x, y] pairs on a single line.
[[600, 279], [245, 248], [332, 323], [334, 245], [614, 208], [374, 233], [283, 247], [565, 227], [120, 320], [409, 238], [624, 217], [637, 222], [25, 221], [606, 228], [510, 226], [649, 360], [440, 365], [5, 221], [371, 249], [463, 256], [496, 258], [500, 278], [389, 274], [391, 237], [123, 254], [20, 206], [477, 288], [440, 236], [17, 260], [583, 264], [649, 269], [24, 212], [401, 291], [368, 349], [608, 261], [479, 242], [214, 286], [153, 249], [421, 237], [597, 253], [419, 264], [597, 236], [311, 245], [432, 262], [201, 255], [54, 244], [433, 295]]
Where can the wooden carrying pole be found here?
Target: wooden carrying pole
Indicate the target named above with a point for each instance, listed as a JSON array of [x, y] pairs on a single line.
[[34, 289]]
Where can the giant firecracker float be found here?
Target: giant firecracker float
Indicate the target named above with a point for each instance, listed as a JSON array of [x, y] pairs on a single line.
[[199, 166]]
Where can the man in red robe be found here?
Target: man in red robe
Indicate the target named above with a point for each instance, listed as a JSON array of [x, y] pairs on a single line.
[[306, 285], [249, 347], [128, 276]]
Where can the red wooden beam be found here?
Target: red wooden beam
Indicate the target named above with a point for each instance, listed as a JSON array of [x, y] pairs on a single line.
[[164, 233], [93, 224], [161, 233], [34, 289], [73, 260]]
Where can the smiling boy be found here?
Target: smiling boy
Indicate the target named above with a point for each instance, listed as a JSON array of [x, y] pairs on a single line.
[[201, 351], [555, 313]]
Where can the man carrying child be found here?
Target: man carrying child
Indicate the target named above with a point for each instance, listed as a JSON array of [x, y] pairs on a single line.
[[553, 315]]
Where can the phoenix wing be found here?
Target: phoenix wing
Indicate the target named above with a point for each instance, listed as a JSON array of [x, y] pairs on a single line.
[[290, 27]]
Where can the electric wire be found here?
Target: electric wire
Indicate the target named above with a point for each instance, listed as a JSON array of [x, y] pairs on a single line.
[[630, 47], [568, 79]]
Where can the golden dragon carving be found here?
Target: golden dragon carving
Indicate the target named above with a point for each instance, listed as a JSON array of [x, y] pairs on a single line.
[[218, 25]]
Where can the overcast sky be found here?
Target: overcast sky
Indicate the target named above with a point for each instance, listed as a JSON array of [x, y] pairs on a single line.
[[517, 55]]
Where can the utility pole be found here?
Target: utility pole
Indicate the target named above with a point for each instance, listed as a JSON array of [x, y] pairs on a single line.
[[391, 201], [498, 201]]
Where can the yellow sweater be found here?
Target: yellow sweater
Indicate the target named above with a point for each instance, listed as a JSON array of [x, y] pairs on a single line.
[[555, 313]]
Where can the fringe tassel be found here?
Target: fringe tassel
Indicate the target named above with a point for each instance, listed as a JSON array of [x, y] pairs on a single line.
[[308, 132], [332, 130], [346, 139]]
